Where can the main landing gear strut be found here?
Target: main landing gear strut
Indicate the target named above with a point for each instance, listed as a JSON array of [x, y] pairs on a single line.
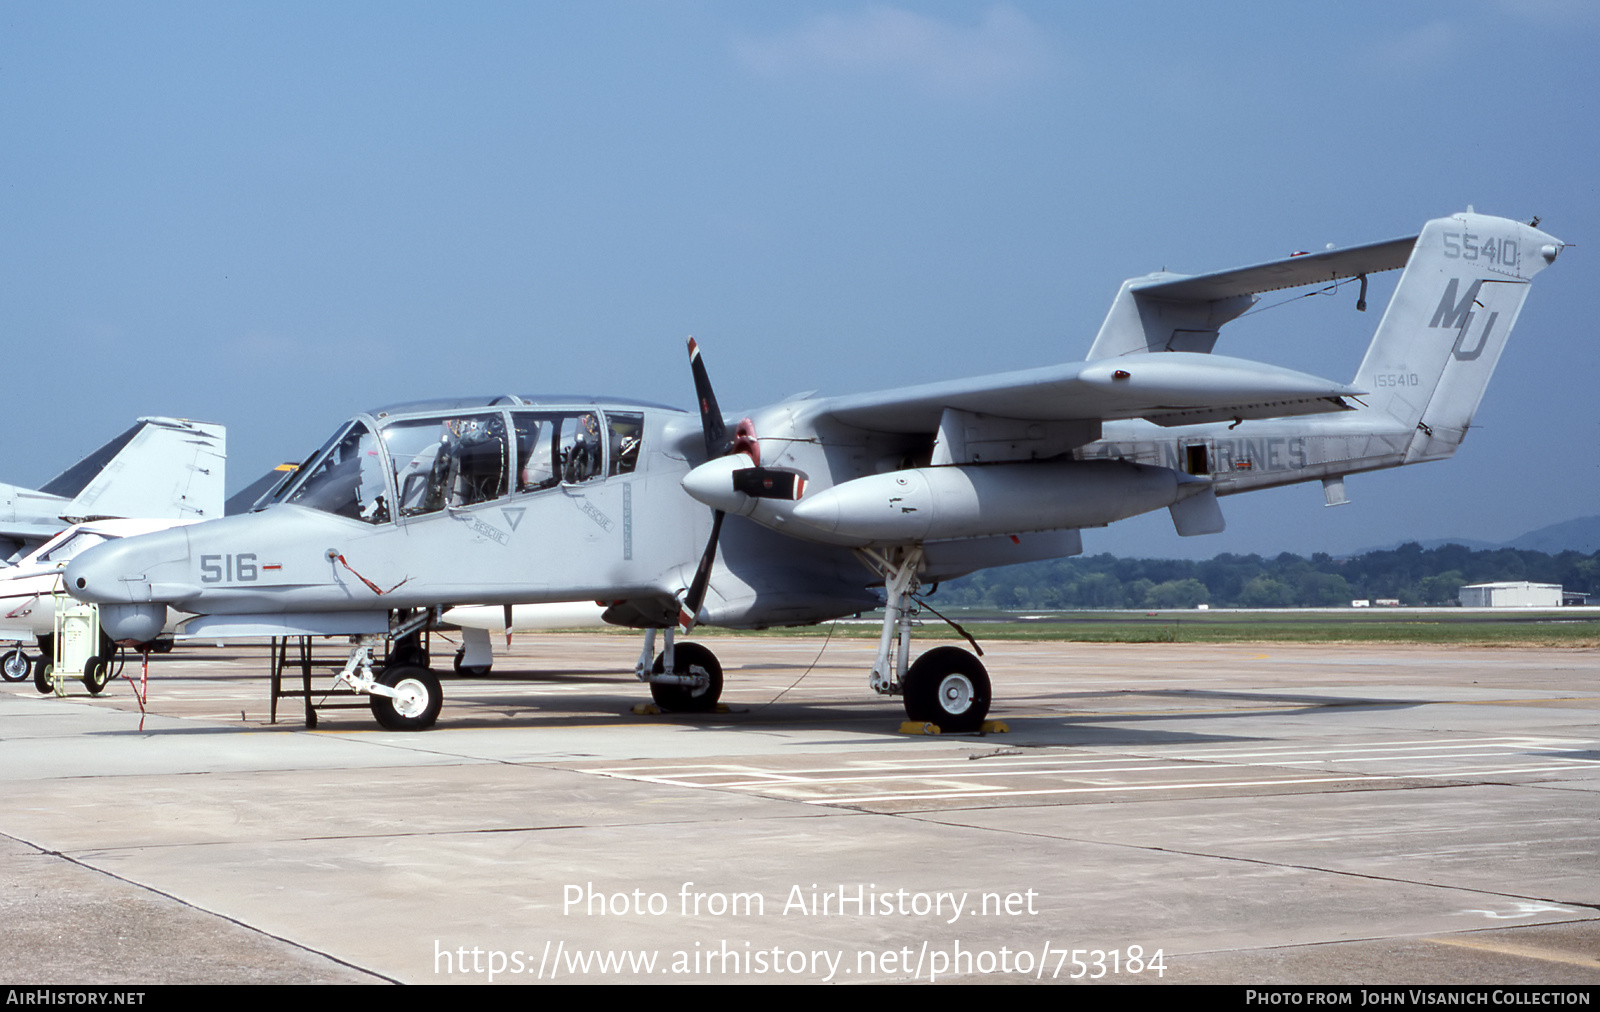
[[405, 696], [947, 686]]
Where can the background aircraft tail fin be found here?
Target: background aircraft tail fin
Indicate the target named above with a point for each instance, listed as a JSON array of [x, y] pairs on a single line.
[[1438, 342], [246, 499], [161, 467]]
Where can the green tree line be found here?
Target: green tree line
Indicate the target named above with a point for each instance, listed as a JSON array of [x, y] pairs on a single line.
[[1410, 573]]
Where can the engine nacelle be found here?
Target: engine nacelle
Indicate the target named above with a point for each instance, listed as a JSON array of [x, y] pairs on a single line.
[[971, 501]]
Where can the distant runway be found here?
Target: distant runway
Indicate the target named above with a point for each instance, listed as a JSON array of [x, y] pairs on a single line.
[[1165, 812], [1272, 617]]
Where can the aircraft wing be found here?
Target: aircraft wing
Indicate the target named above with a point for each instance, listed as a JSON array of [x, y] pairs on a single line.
[[1176, 315], [1175, 388]]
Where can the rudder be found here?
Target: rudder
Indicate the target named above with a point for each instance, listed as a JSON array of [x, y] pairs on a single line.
[[1442, 334]]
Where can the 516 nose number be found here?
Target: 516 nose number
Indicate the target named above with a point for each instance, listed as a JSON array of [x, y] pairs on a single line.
[[228, 568]]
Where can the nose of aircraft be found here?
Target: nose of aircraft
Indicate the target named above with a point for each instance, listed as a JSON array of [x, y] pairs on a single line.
[[128, 571], [123, 578]]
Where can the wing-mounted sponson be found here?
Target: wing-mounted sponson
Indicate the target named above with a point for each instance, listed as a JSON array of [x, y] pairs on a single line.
[[1174, 312], [942, 503]]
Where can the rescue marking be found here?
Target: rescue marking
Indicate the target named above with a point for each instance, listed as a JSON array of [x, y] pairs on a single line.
[[593, 513]]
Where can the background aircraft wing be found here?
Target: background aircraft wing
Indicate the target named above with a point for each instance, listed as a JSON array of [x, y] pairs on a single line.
[[21, 532]]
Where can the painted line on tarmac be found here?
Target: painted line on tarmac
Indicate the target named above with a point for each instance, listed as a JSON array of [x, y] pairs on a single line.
[[1524, 951], [956, 778]]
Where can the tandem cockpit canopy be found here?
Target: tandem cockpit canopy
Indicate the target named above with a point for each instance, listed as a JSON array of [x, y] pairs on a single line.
[[396, 464]]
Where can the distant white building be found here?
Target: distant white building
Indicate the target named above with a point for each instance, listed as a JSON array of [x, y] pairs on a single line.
[[1511, 595]]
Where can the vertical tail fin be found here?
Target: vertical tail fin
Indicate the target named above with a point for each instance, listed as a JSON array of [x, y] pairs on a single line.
[[1447, 323], [162, 467]]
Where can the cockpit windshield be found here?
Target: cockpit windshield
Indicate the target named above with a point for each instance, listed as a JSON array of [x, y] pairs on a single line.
[[280, 492], [459, 459], [447, 462], [347, 478]]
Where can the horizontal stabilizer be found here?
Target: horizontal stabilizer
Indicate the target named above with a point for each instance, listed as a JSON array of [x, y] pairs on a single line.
[[1306, 269], [1171, 312]]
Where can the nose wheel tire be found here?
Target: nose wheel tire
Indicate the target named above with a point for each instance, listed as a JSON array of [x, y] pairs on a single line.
[[472, 670], [949, 687], [15, 666], [418, 703], [688, 659]]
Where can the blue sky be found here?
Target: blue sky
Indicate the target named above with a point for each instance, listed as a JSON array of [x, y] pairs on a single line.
[[272, 215]]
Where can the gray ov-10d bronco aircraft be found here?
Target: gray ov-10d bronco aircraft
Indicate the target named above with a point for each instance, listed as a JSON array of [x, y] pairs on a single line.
[[816, 502]]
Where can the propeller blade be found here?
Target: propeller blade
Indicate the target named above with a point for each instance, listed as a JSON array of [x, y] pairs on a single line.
[[508, 627], [770, 483], [718, 445], [689, 612], [710, 415]]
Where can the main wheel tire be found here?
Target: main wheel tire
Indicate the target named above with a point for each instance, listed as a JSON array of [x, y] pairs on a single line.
[[949, 687], [688, 658], [15, 666], [419, 703], [474, 670], [96, 674], [44, 676]]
